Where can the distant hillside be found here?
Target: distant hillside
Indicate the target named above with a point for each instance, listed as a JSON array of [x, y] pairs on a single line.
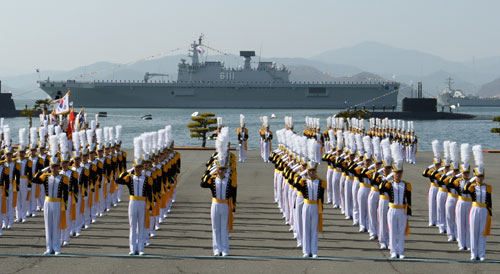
[[490, 89], [413, 65]]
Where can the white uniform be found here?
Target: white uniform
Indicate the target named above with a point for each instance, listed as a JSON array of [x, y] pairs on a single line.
[[76, 225], [478, 219], [363, 193], [65, 233], [220, 215], [451, 203], [431, 201], [336, 192], [354, 198], [57, 190], [242, 146], [383, 208], [310, 216], [22, 193], [2, 191], [136, 214], [397, 219], [265, 147], [462, 217], [348, 202], [441, 197], [329, 184], [8, 218], [32, 198], [41, 195]]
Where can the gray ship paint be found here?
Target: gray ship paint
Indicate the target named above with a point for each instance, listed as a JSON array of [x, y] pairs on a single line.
[[212, 85]]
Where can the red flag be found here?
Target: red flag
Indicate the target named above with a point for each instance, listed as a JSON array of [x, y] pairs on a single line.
[[71, 123]]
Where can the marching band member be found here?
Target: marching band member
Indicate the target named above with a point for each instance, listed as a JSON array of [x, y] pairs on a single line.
[[56, 186], [242, 133], [374, 195], [431, 172], [450, 181], [464, 201], [443, 190], [266, 137], [399, 205], [364, 173], [139, 187], [481, 211], [223, 189], [313, 189], [13, 169], [384, 174], [25, 177], [72, 176], [37, 165], [77, 222], [337, 185]]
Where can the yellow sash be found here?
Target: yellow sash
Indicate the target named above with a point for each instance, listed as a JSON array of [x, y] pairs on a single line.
[[82, 202], [14, 190], [465, 199], [37, 191], [146, 215], [4, 202], [230, 214], [105, 188], [137, 198]]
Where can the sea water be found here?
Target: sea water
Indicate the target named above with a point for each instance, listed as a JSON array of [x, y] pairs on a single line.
[[475, 131]]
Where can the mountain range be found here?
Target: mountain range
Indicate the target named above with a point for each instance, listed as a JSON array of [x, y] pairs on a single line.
[[364, 61]]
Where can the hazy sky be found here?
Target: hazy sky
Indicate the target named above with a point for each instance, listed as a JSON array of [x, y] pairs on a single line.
[[64, 34]]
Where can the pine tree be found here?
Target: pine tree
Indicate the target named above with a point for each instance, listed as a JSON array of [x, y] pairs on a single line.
[[202, 124], [496, 130]]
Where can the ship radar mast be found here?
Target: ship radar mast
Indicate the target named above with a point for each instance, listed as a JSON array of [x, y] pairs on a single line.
[[248, 57], [449, 82], [194, 51]]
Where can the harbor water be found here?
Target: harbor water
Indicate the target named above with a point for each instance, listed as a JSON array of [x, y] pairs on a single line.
[[476, 131]]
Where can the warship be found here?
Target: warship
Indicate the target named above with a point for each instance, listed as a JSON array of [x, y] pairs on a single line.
[[457, 98], [210, 84]]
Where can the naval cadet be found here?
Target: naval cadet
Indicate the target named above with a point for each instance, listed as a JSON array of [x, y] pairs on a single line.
[[242, 133], [140, 189], [312, 189], [223, 189], [399, 205], [481, 211], [56, 186]]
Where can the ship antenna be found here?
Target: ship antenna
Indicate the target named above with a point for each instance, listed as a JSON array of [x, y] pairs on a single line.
[[449, 82], [260, 51]]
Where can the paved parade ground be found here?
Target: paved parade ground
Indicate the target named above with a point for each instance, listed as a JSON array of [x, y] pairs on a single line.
[[260, 242]]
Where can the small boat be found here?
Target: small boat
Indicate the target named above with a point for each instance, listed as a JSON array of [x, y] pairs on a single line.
[[147, 117]]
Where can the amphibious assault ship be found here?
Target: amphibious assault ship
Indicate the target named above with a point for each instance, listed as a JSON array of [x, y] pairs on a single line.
[[212, 85]]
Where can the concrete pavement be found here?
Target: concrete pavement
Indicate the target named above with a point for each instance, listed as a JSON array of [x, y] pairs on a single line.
[[260, 243]]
